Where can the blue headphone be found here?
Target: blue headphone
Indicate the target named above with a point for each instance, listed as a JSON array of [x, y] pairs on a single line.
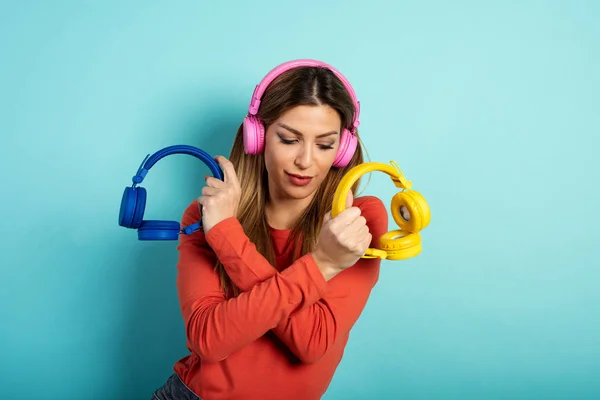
[[133, 203]]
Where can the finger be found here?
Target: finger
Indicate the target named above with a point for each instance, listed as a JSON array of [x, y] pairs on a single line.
[[213, 182], [200, 201], [349, 199], [358, 226], [228, 169], [206, 201], [347, 216], [364, 231], [209, 191], [368, 239]]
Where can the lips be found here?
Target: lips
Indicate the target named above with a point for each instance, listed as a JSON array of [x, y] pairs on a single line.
[[299, 176], [299, 180]]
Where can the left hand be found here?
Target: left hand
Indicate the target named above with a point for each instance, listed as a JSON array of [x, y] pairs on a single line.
[[220, 199], [342, 241]]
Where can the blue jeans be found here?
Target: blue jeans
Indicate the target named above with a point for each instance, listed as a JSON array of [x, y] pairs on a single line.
[[174, 389]]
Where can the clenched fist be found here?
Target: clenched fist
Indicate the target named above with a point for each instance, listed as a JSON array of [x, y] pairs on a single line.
[[342, 240]]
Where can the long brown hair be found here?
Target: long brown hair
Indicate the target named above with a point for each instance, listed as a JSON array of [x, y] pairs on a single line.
[[299, 86]]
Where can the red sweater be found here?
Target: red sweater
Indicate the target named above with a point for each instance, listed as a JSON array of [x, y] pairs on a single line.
[[284, 336]]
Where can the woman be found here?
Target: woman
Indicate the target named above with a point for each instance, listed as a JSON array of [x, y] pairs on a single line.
[[271, 287]]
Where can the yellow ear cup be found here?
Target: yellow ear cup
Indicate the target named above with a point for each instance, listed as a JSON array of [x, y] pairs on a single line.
[[400, 245], [410, 211]]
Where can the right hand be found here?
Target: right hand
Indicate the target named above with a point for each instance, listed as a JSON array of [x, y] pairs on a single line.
[[219, 199], [342, 240]]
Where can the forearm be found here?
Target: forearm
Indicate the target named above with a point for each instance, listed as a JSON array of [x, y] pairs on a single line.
[[217, 327], [312, 332], [245, 266], [315, 326]]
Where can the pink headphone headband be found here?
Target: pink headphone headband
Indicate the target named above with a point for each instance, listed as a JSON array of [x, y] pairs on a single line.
[[266, 81]]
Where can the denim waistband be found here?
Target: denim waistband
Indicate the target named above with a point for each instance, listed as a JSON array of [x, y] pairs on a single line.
[[174, 389]]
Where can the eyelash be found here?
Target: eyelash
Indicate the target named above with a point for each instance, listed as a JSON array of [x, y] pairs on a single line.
[[322, 147]]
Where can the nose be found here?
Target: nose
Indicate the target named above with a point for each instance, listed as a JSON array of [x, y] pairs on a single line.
[[304, 156]]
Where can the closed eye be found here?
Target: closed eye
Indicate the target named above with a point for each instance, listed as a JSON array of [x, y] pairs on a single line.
[[292, 141], [287, 141]]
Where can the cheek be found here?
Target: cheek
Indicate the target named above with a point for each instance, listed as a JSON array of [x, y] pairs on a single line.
[[273, 161], [324, 159], [269, 163], [278, 156], [322, 166]]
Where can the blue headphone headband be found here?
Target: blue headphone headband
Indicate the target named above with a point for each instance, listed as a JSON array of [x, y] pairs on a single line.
[[133, 202], [150, 160]]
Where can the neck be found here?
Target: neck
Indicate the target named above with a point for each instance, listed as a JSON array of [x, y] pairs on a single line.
[[283, 213]]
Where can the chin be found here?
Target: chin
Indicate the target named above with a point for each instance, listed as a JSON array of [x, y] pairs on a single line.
[[299, 193]]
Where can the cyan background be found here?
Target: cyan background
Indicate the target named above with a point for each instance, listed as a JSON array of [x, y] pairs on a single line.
[[490, 108]]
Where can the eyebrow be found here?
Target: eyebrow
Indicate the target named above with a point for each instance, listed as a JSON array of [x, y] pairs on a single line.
[[300, 133]]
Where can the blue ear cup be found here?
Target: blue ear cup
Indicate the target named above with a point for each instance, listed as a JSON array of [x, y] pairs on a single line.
[[133, 202], [159, 230], [132, 207]]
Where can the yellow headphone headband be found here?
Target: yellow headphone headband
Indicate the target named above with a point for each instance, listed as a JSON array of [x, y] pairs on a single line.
[[409, 210]]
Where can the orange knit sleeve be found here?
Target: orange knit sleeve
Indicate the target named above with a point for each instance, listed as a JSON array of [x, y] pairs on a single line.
[[216, 326], [313, 330]]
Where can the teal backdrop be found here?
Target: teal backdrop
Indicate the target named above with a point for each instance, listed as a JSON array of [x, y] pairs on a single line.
[[490, 108]]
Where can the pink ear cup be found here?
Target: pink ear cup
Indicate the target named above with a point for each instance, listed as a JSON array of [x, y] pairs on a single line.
[[254, 135], [348, 143]]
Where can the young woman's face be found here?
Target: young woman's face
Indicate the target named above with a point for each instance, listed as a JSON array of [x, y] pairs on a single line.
[[299, 150]]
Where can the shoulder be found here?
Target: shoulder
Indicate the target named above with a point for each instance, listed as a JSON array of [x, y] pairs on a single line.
[[191, 214]]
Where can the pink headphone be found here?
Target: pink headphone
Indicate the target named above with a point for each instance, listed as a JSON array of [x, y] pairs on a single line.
[[254, 130]]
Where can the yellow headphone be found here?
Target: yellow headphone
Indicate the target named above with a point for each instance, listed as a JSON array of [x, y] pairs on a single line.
[[401, 243]]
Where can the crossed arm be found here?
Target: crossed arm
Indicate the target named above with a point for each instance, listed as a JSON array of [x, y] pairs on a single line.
[[306, 312]]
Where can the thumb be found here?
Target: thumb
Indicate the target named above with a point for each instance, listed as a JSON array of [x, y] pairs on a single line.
[[349, 199], [327, 217]]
